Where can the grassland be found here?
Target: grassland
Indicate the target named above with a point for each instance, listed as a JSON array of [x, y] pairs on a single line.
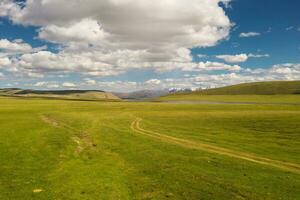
[[56, 149], [263, 99], [260, 92], [257, 88]]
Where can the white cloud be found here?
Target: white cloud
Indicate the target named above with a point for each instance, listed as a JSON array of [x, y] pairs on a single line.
[[39, 84], [202, 56], [249, 34], [287, 71], [110, 37], [234, 58], [33, 75], [14, 46], [196, 67], [17, 46], [239, 58], [4, 62], [48, 85], [153, 82], [104, 64], [258, 55], [86, 30], [89, 81], [131, 23], [6, 7], [69, 85], [123, 33]]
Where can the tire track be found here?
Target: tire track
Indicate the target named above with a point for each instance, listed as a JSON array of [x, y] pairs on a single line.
[[286, 166], [82, 139]]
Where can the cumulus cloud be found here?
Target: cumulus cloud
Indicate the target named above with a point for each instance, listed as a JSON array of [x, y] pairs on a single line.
[[239, 58], [14, 46], [110, 37], [249, 34], [288, 71], [48, 85], [105, 64], [131, 23], [8, 7], [234, 58], [69, 85], [123, 33], [153, 82], [17, 46], [86, 30], [4, 62]]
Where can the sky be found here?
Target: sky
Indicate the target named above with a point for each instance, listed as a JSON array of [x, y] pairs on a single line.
[[129, 45]]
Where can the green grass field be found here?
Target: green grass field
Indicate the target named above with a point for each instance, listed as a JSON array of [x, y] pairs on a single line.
[[57, 149], [273, 92], [257, 88], [263, 99]]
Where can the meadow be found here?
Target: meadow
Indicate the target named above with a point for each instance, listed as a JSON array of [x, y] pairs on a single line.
[[59, 149], [251, 99], [270, 92]]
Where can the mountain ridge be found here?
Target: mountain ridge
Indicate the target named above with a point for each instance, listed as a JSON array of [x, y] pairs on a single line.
[[88, 95]]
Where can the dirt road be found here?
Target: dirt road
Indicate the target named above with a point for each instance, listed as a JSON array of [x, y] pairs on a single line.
[[291, 167]]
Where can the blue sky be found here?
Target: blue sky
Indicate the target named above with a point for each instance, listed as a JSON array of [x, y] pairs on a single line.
[[271, 18], [198, 45]]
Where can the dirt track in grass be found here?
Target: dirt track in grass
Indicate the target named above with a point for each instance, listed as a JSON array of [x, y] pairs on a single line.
[[287, 166], [81, 138]]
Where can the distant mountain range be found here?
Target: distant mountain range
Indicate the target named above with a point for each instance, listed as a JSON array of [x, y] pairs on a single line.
[[143, 94], [258, 88], [87, 94], [91, 95]]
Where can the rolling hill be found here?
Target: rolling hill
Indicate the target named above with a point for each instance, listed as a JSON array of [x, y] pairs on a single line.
[[259, 92], [87, 95], [258, 88]]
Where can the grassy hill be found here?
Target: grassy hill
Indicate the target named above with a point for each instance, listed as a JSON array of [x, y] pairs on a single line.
[[260, 92], [259, 88], [88, 95]]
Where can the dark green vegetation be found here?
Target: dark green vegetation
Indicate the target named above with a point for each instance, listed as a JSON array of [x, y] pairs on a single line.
[[88, 95], [56, 149]]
